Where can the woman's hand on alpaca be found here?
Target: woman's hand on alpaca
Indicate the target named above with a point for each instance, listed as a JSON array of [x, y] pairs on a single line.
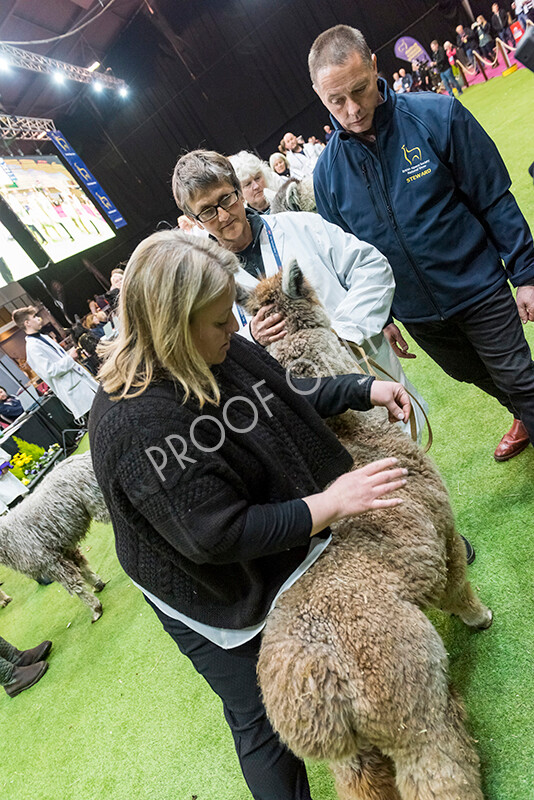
[[267, 328], [392, 396], [356, 492]]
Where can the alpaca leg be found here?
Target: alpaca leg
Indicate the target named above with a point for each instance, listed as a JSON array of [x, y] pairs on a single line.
[[87, 573], [459, 597], [4, 599], [443, 764], [415, 718], [67, 573], [369, 776]]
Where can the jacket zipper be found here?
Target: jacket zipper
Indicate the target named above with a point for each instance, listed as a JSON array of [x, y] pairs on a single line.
[[400, 238], [369, 188]]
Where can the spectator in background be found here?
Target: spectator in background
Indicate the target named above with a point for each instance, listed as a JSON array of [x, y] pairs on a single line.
[[315, 143], [95, 323], [524, 11], [467, 40], [485, 40], [328, 133], [10, 407], [254, 176], [397, 83], [112, 295], [444, 68], [279, 164], [72, 384], [407, 80], [499, 25], [302, 158]]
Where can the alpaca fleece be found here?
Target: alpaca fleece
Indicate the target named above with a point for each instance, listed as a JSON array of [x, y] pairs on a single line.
[[351, 669], [41, 535]]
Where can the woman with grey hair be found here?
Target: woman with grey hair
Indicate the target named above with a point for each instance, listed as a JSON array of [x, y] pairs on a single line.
[[279, 164], [258, 183], [214, 466]]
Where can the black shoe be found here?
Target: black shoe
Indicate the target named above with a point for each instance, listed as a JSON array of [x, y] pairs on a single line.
[[470, 551], [34, 655], [24, 677], [42, 580]]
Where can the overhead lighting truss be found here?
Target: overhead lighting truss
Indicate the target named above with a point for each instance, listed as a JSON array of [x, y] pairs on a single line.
[[15, 57], [24, 128]]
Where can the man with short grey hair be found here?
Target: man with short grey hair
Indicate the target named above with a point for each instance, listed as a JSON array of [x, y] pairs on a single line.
[[418, 177]]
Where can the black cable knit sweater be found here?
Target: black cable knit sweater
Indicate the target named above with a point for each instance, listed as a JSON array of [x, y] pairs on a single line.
[[207, 537]]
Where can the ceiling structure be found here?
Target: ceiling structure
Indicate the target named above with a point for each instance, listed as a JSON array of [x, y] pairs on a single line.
[[26, 93]]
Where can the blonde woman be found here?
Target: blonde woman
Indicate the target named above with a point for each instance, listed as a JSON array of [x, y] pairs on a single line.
[[213, 467]]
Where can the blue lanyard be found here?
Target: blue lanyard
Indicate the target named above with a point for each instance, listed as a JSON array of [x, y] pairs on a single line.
[[272, 243], [277, 259]]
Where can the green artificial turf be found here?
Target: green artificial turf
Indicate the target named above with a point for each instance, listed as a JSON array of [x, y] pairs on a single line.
[[121, 714]]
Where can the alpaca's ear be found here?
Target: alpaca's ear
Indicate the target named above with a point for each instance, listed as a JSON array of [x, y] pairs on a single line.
[[292, 280], [292, 196], [242, 295]]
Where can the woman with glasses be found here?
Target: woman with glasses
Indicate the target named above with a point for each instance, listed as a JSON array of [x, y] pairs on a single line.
[[352, 278], [214, 471]]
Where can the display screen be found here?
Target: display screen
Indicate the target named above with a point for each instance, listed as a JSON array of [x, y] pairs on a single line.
[[52, 205], [15, 263]]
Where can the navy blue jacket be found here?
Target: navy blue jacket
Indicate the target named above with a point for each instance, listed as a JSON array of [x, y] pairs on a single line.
[[433, 195]]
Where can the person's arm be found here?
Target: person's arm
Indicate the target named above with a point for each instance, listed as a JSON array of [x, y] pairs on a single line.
[[356, 492], [366, 276], [481, 176], [204, 513], [338, 393]]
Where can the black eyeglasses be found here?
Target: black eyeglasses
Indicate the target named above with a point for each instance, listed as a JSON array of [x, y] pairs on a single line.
[[225, 203]]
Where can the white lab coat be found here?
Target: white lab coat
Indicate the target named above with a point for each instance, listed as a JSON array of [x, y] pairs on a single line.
[[302, 164], [352, 279], [71, 382]]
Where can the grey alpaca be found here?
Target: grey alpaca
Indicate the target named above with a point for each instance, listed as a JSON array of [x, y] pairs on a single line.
[[350, 668], [41, 535]]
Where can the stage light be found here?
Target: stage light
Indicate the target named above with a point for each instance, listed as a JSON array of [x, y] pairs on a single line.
[[123, 91], [97, 86], [94, 65], [4, 65], [59, 78]]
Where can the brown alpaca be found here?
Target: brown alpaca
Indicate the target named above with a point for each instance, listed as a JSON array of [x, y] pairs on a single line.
[[351, 669]]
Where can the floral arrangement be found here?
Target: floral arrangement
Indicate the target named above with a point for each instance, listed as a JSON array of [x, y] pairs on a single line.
[[30, 460]]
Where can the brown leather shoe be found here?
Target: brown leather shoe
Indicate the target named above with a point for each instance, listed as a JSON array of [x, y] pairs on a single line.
[[24, 677], [513, 442], [34, 655]]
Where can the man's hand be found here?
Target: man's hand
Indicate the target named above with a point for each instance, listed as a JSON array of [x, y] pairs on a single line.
[[267, 328], [397, 341], [73, 353], [392, 396], [525, 303]]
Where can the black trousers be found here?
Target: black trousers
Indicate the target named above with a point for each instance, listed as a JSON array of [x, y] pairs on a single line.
[[271, 771], [485, 345]]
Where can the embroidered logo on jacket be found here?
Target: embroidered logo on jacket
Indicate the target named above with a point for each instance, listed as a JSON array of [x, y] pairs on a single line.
[[412, 155], [417, 165]]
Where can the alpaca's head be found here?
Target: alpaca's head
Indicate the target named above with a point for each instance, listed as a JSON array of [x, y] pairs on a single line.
[[295, 195], [290, 295]]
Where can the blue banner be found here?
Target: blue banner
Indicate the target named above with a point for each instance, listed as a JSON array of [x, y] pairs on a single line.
[[85, 177]]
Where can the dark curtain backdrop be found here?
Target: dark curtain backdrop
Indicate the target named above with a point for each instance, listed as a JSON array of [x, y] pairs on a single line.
[[222, 74]]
